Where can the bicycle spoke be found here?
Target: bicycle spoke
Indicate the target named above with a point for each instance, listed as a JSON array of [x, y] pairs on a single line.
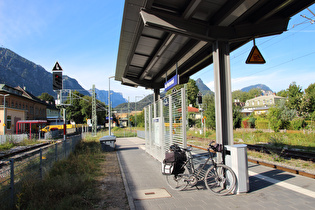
[[220, 180]]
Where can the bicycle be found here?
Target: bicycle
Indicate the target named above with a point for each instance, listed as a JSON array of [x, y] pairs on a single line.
[[219, 178]]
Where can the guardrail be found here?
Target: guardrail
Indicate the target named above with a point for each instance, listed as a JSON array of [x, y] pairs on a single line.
[[19, 170]]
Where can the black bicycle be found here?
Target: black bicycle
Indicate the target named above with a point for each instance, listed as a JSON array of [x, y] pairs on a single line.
[[218, 178]]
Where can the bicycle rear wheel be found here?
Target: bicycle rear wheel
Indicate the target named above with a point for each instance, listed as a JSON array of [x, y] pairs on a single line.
[[178, 182], [220, 179]]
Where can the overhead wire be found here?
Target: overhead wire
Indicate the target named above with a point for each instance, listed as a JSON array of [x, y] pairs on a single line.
[[266, 41]]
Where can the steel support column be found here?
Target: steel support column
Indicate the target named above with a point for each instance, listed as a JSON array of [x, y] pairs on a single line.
[[156, 94], [223, 95]]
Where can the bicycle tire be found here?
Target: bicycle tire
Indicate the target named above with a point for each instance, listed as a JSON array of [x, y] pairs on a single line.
[[220, 180], [178, 182]]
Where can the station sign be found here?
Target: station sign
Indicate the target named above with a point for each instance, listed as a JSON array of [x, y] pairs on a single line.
[[171, 83]]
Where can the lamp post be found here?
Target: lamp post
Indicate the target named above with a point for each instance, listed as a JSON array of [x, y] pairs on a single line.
[[4, 113], [109, 114]]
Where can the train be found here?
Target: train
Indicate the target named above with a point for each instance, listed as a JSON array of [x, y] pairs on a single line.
[[70, 128]]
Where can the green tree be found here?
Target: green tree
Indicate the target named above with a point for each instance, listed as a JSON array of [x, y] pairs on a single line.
[[140, 119], [132, 120], [252, 93], [81, 109], [74, 112], [239, 95], [209, 110], [282, 93], [308, 101], [244, 96], [192, 91], [295, 94], [237, 116], [274, 118], [47, 97], [280, 116]]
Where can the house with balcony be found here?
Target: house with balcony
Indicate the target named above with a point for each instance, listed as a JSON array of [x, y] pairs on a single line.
[[260, 104]]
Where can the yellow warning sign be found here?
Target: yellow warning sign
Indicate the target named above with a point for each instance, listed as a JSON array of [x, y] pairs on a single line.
[[255, 57]]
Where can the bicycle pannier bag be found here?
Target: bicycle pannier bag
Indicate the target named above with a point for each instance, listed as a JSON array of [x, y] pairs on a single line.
[[167, 168], [168, 163], [180, 158]]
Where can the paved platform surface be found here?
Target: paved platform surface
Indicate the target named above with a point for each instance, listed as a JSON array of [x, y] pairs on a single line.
[[146, 187]]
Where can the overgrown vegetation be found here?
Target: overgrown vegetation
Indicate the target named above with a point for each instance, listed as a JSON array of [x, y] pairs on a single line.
[[273, 141], [70, 184], [9, 144]]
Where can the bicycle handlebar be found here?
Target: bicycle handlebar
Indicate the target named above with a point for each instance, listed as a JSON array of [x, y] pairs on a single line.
[[215, 147]]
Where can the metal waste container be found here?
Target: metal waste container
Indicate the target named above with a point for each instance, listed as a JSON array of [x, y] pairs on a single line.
[[108, 143], [236, 158]]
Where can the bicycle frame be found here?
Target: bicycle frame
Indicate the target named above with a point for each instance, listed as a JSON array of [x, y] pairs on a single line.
[[191, 166], [218, 178]]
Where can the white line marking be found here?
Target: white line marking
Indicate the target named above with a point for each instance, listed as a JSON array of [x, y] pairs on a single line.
[[284, 184]]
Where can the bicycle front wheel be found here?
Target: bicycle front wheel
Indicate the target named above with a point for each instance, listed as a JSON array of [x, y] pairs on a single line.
[[179, 181], [220, 179]]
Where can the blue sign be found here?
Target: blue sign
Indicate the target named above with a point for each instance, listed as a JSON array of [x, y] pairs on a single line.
[[171, 83], [165, 101], [110, 118]]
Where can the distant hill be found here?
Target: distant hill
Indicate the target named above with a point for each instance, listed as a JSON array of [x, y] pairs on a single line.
[[18, 71], [140, 104], [149, 99], [116, 98], [259, 86], [203, 88]]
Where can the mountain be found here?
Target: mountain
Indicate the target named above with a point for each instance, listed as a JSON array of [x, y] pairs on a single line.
[[116, 98], [18, 71], [139, 105], [203, 88], [259, 86]]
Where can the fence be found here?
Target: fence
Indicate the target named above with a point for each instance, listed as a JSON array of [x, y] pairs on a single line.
[[165, 123], [15, 172]]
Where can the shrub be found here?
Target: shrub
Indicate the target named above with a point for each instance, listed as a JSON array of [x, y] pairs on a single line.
[[262, 123], [298, 123], [251, 121], [245, 123]]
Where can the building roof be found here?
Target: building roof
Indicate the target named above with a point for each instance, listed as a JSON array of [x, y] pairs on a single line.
[[161, 37], [192, 109], [266, 97]]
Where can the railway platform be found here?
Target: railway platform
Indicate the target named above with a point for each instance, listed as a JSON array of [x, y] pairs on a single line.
[[146, 187]]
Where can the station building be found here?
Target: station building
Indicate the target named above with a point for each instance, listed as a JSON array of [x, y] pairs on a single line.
[[16, 104]]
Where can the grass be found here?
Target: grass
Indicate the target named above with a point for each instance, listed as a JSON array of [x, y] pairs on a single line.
[[11, 143], [70, 184], [307, 166], [301, 141]]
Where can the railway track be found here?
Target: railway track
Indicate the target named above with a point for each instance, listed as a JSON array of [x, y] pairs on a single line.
[[284, 152], [6, 156]]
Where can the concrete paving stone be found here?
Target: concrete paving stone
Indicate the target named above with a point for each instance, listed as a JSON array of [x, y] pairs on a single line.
[[144, 172]]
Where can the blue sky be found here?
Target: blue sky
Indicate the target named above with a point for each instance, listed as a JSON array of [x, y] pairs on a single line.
[[83, 36]]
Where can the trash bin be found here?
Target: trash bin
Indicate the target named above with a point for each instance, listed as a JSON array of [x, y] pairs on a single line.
[[236, 158], [108, 143]]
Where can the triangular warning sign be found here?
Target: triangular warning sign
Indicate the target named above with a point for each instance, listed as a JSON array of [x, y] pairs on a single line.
[[255, 57], [57, 67]]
